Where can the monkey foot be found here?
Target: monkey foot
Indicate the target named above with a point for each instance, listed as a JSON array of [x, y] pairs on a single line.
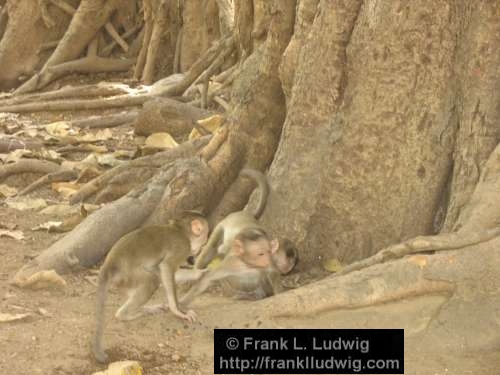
[[190, 315]]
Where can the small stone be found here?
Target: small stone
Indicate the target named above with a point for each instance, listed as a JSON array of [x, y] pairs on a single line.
[[176, 357]]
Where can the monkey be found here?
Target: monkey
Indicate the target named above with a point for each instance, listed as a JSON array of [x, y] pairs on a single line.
[[220, 240], [140, 261], [248, 267]]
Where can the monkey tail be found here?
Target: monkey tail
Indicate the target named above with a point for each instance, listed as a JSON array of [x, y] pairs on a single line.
[[102, 293], [263, 186]]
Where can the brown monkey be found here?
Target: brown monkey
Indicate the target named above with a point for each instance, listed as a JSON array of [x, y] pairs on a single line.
[[142, 259], [248, 267], [221, 239]]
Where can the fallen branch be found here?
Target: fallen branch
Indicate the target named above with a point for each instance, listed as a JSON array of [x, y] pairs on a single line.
[[28, 166]]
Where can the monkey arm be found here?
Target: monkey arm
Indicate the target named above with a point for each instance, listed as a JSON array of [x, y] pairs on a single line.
[[167, 274], [210, 249], [185, 275]]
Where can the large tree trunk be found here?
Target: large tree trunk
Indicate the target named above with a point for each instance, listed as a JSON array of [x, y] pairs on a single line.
[[368, 156]]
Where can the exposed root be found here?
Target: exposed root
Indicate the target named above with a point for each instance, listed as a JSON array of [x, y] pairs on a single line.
[[160, 21], [116, 37], [109, 121], [440, 242], [68, 92], [91, 64], [60, 176], [210, 71], [186, 149], [28, 166], [8, 144], [68, 105], [107, 50], [148, 31]]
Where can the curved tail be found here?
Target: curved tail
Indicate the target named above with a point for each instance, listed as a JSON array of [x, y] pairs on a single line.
[[97, 349], [263, 186]]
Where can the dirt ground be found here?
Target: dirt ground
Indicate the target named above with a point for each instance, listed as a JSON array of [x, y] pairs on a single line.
[[55, 338]]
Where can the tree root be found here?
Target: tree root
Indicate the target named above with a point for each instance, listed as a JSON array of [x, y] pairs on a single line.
[[107, 50], [155, 161], [67, 92], [160, 21], [8, 144], [29, 166], [116, 37], [90, 64], [440, 242], [59, 176], [98, 122]]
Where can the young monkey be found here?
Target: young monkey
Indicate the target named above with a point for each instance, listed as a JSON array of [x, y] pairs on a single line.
[[248, 267], [142, 259], [285, 257]]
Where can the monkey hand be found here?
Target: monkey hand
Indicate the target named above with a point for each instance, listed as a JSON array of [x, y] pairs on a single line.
[[190, 315], [100, 356]]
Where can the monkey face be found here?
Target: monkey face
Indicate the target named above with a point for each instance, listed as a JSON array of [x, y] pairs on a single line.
[[256, 253], [286, 257]]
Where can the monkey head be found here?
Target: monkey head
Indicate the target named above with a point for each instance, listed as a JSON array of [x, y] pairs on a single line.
[[286, 257], [253, 247]]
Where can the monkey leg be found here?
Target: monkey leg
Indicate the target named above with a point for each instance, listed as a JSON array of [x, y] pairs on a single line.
[[137, 297]]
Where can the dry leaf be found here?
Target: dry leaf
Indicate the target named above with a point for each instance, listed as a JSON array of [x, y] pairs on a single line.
[[160, 140], [23, 204], [66, 189], [122, 368], [58, 129], [15, 234], [41, 280], [332, 265], [7, 191], [49, 225], [210, 124], [16, 155], [101, 135], [6, 318], [108, 160]]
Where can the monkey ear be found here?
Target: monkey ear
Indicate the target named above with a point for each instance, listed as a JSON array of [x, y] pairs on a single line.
[[238, 247], [196, 227], [275, 244]]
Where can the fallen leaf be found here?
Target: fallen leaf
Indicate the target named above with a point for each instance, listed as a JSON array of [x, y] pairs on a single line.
[[16, 155], [160, 140], [15, 234], [41, 280], [66, 189], [101, 135], [23, 204], [58, 129], [108, 160], [215, 263], [332, 265], [419, 260], [122, 368], [7, 191], [211, 124], [49, 225], [6, 318]]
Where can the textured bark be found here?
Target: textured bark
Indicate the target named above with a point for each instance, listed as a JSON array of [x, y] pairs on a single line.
[[360, 154]]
